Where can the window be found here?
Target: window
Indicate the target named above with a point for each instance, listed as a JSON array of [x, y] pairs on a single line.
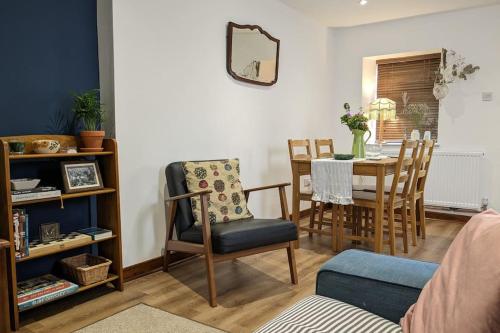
[[409, 82]]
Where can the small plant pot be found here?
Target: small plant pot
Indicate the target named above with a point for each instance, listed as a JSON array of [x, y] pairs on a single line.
[[92, 140]]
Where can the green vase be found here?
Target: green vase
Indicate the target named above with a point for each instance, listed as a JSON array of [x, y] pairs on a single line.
[[359, 144]]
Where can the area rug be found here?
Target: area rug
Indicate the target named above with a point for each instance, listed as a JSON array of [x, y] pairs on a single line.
[[143, 318]]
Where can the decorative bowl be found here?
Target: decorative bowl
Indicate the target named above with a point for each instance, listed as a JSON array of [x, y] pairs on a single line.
[[23, 184], [343, 157], [46, 146]]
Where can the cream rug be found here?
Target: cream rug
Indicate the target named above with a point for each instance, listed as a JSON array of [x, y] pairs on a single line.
[[143, 318]]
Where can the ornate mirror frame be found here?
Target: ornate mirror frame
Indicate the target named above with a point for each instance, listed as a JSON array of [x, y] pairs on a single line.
[[229, 49]]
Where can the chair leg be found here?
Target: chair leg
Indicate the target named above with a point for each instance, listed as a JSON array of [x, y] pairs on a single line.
[[367, 222], [334, 227], [392, 232], [413, 221], [421, 209], [404, 225], [340, 238], [212, 289], [166, 260], [291, 263], [312, 216], [321, 214]]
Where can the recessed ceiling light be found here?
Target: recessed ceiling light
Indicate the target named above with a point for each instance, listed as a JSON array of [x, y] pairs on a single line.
[[363, 2]]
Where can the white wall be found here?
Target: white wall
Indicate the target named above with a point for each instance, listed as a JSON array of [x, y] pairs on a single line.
[[465, 122], [175, 101]]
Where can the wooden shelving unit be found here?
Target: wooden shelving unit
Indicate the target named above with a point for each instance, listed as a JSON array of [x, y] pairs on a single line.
[[108, 209]]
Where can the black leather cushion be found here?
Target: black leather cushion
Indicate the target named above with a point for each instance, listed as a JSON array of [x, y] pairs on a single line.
[[244, 234], [176, 183]]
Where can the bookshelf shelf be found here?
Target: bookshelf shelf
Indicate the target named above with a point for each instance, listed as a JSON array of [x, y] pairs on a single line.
[[107, 206], [111, 278], [57, 155], [65, 248], [65, 197]]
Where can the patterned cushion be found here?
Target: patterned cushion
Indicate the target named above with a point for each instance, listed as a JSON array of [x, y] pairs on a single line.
[[227, 201], [322, 314]]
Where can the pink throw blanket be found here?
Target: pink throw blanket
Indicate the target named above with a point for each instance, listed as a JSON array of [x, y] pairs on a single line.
[[464, 293]]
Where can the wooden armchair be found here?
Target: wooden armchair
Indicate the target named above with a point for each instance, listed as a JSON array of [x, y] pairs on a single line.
[[223, 241]]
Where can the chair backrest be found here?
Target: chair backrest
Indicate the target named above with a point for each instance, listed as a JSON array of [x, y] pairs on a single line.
[[422, 167], [319, 143], [404, 168], [294, 145], [176, 184]]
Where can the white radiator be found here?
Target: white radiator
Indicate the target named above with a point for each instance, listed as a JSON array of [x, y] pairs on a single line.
[[456, 180]]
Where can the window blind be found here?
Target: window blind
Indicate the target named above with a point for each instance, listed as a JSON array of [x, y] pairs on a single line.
[[409, 82]]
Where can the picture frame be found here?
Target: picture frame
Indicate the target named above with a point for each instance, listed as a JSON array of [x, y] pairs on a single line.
[[49, 232], [81, 176]]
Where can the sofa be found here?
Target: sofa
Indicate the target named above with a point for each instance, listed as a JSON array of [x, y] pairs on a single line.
[[357, 291]]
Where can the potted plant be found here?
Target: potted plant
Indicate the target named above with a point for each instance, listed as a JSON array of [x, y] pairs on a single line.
[[358, 124], [88, 109]]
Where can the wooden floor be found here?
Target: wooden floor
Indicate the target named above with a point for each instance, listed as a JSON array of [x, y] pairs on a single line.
[[251, 290]]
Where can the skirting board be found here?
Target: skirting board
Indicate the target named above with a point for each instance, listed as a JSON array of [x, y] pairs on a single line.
[[152, 265]]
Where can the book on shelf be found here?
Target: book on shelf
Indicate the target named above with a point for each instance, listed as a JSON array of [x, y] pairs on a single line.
[[43, 289], [96, 233], [20, 224], [42, 192]]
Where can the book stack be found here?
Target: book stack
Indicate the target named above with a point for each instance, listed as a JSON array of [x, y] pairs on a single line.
[[96, 233], [41, 290], [21, 243], [42, 192]]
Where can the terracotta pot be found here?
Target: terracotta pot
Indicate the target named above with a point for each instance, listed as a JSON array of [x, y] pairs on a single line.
[[92, 140]]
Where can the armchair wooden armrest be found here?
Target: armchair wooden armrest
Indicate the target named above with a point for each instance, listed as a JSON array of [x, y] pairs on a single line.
[[188, 195], [285, 215], [247, 191]]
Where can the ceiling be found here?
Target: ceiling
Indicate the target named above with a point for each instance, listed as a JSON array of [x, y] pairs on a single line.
[[345, 13]]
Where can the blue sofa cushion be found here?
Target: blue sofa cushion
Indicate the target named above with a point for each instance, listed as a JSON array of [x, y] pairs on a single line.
[[384, 285]]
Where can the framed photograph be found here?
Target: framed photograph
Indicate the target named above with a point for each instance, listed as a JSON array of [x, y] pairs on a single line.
[[49, 232], [81, 176]]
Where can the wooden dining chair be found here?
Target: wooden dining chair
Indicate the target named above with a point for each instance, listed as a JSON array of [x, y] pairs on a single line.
[[396, 199], [319, 144], [301, 149], [416, 194]]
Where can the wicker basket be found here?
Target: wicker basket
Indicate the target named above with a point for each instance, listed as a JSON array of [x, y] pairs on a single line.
[[85, 269]]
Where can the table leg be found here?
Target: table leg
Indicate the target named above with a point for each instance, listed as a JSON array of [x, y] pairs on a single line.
[[379, 211], [296, 201]]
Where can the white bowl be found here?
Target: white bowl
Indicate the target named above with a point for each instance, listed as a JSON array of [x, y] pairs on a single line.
[[24, 184], [46, 146]]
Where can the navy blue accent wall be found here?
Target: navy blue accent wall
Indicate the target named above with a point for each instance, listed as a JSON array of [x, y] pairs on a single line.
[[48, 49]]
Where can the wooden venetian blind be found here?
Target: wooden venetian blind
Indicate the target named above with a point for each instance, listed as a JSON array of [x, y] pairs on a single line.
[[413, 78]]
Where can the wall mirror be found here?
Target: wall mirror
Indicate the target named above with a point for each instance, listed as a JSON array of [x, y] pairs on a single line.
[[252, 54]]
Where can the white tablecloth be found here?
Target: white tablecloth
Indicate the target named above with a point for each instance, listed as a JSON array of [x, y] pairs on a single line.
[[332, 181]]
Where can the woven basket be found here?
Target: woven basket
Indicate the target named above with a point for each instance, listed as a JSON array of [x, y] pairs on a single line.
[[86, 269]]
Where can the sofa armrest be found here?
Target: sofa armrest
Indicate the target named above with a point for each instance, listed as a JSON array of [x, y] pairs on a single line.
[[384, 285]]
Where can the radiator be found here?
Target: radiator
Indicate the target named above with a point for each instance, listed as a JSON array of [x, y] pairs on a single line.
[[456, 180]]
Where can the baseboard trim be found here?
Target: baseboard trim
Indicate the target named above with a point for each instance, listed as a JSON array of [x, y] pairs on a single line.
[[153, 265], [430, 213]]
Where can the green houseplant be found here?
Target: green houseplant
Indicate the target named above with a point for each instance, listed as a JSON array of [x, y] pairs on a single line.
[[88, 109]]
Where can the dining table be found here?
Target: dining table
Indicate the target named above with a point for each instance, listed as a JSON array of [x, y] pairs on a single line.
[[4, 297], [362, 167]]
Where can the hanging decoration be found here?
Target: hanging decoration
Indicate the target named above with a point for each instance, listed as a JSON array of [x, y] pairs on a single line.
[[452, 68]]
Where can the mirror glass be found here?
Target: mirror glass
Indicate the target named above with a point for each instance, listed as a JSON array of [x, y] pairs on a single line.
[[252, 54]]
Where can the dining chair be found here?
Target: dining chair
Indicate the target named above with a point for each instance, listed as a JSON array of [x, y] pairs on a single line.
[[301, 149], [364, 201], [319, 144], [416, 194]]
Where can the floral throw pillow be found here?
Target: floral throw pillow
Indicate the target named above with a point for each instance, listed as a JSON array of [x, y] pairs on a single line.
[[227, 201]]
